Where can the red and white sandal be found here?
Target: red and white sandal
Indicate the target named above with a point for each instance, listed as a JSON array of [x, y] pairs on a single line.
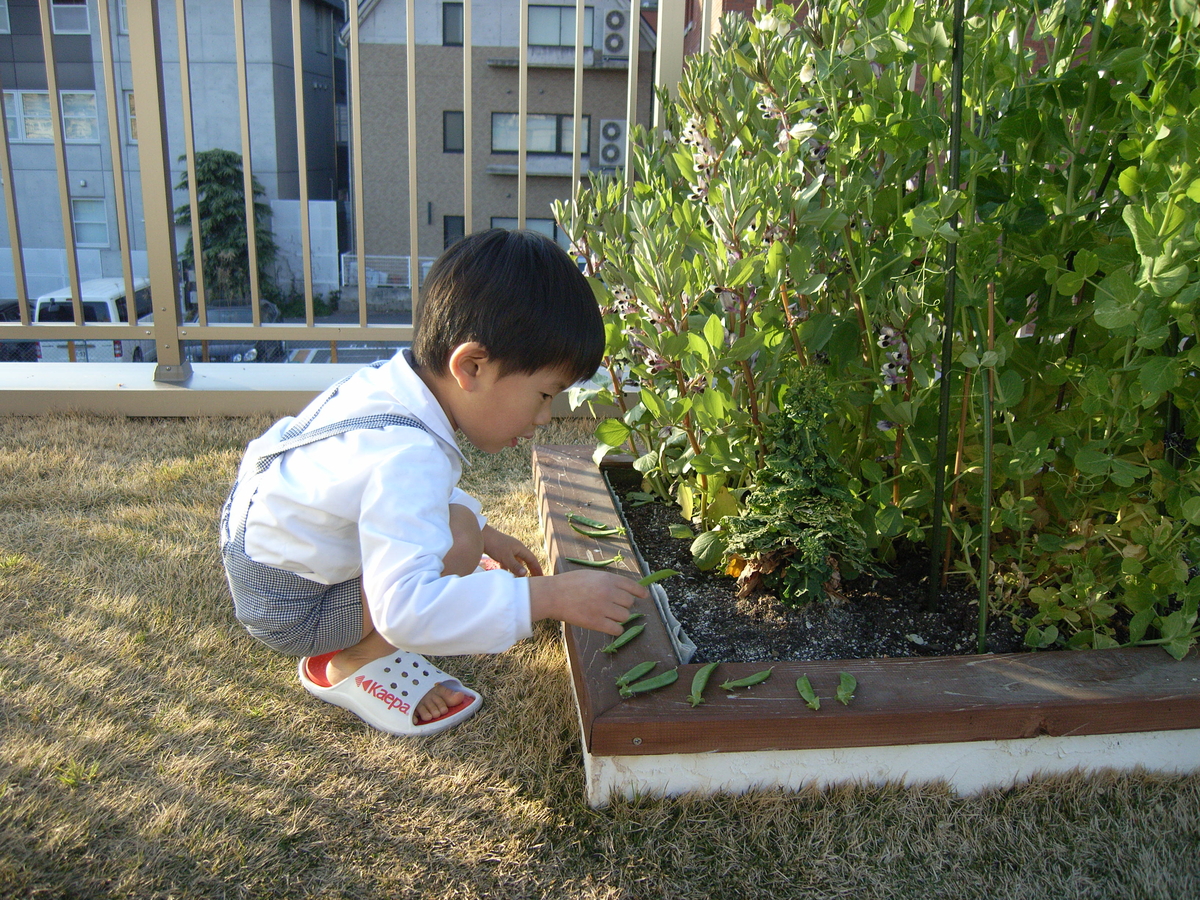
[[385, 693]]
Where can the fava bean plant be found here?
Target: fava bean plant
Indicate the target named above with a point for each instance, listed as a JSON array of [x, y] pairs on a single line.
[[797, 212]]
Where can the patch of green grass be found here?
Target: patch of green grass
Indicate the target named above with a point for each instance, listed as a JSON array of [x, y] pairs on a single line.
[[199, 768]]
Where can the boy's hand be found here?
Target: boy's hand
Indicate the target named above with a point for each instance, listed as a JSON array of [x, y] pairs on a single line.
[[596, 600], [511, 554]]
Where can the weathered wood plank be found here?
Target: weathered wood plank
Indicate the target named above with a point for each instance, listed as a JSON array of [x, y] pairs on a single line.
[[899, 701]]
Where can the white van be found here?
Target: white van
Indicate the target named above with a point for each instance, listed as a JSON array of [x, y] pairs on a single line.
[[103, 300]]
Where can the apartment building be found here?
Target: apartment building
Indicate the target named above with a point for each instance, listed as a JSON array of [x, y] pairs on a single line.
[[441, 140], [215, 98]]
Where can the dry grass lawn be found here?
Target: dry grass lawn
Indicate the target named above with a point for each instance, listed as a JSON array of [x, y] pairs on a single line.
[[150, 749]]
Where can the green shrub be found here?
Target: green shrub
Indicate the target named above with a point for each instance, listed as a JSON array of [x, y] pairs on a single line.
[[799, 207]]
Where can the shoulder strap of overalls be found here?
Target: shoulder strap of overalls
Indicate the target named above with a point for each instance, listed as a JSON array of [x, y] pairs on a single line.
[[298, 435]]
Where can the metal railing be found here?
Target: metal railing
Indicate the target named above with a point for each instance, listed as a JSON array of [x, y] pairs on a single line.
[[143, 59]]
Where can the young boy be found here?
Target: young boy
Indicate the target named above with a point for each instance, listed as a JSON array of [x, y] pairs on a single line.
[[346, 537]]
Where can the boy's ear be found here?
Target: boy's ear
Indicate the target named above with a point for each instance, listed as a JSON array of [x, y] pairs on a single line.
[[466, 363]]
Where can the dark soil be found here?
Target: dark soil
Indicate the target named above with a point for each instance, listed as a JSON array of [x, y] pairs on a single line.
[[880, 616]]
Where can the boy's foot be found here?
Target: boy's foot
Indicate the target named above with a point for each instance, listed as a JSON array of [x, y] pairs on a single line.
[[434, 704], [402, 693]]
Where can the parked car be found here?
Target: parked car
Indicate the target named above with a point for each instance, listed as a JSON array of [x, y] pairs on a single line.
[[229, 351], [103, 300], [15, 351], [235, 351]]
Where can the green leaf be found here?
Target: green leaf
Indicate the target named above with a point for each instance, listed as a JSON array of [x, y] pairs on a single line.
[[653, 403], [708, 549], [889, 521], [1177, 636], [1191, 510], [1130, 181], [1086, 263], [1169, 282], [1160, 374], [681, 531], [1193, 191], [714, 332], [1116, 301], [613, 432], [1092, 462], [901, 20], [1145, 235], [1040, 638], [1069, 283]]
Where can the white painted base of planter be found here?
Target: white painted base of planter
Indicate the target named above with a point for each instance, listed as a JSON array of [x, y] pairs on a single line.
[[967, 768]]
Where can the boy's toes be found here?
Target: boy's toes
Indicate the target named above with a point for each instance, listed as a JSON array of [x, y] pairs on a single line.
[[439, 701]]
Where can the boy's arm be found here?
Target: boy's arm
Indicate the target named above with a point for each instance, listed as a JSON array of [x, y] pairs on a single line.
[[596, 600], [512, 555]]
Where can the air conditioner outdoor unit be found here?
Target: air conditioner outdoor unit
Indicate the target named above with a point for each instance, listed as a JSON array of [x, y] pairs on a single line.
[[616, 35], [612, 142]]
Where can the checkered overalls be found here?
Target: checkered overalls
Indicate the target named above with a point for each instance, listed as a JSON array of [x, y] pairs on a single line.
[[289, 613]]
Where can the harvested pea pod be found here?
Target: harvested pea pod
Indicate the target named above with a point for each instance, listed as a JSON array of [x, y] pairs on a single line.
[[650, 684], [699, 682], [805, 689], [656, 576], [628, 635], [749, 680], [587, 531], [594, 563], [586, 522], [641, 670]]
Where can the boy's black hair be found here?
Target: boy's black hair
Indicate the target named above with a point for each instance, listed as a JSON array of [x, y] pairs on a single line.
[[519, 295]]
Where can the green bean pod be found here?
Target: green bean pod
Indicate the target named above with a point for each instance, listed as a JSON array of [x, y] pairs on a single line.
[[847, 684], [805, 689], [593, 524], [594, 563], [656, 576], [632, 618], [596, 532], [650, 684], [749, 680], [699, 682], [639, 671], [628, 635]]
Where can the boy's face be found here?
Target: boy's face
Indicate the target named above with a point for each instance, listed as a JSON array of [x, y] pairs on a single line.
[[502, 409]]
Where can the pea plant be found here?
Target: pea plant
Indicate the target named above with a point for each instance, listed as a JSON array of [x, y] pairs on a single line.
[[801, 214]]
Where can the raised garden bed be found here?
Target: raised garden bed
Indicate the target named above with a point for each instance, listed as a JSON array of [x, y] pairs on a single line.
[[974, 722]]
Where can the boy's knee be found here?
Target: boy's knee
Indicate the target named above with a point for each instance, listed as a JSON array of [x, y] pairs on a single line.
[[463, 557]]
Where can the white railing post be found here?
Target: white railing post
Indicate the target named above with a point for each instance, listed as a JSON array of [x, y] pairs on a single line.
[[145, 52], [669, 66]]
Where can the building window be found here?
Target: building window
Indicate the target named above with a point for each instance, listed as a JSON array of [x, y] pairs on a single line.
[[452, 131], [554, 26], [453, 230], [91, 222], [543, 133], [5, 27], [122, 16], [548, 227], [69, 16], [27, 114], [130, 117], [452, 24]]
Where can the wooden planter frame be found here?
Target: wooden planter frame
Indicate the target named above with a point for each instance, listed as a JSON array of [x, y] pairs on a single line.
[[1106, 704]]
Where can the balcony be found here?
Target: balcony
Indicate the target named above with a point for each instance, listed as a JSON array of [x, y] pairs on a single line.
[[129, 178]]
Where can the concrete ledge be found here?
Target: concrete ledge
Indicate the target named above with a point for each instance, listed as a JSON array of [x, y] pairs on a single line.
[[129, 389]]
